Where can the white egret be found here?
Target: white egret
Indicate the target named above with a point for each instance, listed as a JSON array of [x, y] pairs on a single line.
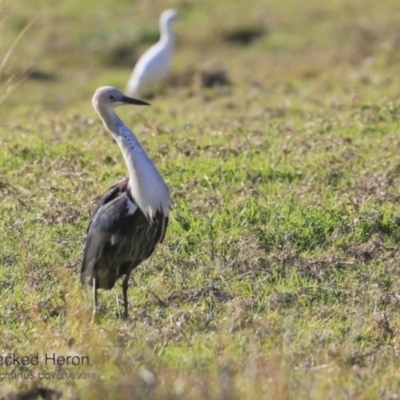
[[154, 64]]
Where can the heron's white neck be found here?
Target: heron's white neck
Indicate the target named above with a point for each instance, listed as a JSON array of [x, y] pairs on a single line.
[[147, 187]]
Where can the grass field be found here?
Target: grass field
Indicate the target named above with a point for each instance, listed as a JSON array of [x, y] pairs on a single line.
[[279, 275]]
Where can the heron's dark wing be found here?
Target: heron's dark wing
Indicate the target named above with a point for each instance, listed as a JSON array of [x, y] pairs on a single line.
[[107, 238], [112, 193], [120, 237]]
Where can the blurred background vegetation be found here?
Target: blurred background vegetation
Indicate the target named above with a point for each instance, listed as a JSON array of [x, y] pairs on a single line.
[[278, 134]]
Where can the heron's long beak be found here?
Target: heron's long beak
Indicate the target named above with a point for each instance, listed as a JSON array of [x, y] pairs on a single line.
[[131, 100]]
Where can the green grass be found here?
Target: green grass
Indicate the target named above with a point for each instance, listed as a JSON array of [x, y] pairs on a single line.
[[278, 277]]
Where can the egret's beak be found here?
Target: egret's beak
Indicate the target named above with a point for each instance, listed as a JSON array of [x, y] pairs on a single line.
[[131, 100]]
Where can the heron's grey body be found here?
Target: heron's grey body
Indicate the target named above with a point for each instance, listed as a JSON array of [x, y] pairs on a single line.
[[132, 217]]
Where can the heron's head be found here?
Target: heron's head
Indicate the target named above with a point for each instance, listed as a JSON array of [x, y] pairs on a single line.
[[107, 97], [168, 16]]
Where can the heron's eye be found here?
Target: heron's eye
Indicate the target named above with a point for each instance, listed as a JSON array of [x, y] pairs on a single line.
[[111, 97]]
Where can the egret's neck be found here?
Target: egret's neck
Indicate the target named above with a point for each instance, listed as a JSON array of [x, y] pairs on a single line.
[[167, 34]]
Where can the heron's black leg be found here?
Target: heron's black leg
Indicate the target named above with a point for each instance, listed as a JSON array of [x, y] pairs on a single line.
[[125, 293], [94, 315]]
